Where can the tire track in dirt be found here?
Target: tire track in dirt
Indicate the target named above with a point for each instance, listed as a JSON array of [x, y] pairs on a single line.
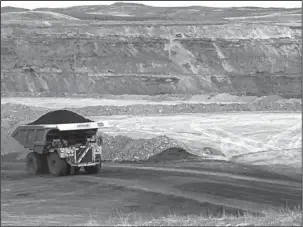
[[133, 188], [208, 172], [154, 187], [255, 194], [85, 194]]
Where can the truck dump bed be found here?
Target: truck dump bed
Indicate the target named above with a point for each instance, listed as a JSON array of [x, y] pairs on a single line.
[[58, 123], [34, 137]]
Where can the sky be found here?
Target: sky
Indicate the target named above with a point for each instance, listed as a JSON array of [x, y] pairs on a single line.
[[59, 4]]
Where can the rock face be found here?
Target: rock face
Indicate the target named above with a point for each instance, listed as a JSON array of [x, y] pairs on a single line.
[[84, 56]]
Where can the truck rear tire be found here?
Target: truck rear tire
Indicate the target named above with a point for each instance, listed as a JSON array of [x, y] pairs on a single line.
[[34, 165], [93, 169], [56, 165]]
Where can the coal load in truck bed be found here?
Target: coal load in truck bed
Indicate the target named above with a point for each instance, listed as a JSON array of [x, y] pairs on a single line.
[[60, 117]]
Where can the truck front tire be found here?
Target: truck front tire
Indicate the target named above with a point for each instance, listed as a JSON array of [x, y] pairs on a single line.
[[34, 164], [56, 165]]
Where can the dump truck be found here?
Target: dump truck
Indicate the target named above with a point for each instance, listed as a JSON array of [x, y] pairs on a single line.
[[61, 149]]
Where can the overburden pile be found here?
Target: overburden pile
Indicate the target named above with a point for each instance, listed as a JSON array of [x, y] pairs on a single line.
[[172, 154], [60, 117], [121, 148]]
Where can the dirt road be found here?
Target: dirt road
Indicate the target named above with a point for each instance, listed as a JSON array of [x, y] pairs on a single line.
[[149, 189]]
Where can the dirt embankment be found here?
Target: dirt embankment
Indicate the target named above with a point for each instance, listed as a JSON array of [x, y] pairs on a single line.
[[238, 58]]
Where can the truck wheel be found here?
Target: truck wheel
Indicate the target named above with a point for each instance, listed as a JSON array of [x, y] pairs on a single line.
[[33, 163], [93, 169], [56, 165]]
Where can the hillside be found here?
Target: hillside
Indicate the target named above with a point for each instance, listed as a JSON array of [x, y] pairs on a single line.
[[135, 12], [8, 9], [35, 15], [192, 50]]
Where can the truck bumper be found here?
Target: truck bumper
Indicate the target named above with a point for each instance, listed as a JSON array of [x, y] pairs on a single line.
[[87, 156]]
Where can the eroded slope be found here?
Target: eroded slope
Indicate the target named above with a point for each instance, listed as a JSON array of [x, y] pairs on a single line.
[[89, 56]]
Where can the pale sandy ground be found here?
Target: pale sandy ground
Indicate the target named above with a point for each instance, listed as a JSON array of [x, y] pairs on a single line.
[[256, 138], [57, 102]]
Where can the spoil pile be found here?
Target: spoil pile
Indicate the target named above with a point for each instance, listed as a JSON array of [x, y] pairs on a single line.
[[60, 117], [121, 148], [172, 154]]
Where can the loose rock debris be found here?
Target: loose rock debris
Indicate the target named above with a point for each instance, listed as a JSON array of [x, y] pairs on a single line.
[[122, 148]]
